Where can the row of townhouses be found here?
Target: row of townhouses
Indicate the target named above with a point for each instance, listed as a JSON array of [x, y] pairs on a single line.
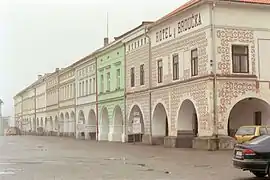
[[189, 79]]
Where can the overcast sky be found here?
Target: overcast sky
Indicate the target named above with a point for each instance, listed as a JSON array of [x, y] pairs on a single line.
[[37, 36]]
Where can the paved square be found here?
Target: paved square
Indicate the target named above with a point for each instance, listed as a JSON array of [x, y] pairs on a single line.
[[55, 158]]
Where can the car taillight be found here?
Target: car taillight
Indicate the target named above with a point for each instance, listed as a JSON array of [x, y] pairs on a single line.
[[248, 153]]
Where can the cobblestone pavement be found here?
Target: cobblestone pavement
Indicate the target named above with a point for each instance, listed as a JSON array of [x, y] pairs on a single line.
[[55, 158]]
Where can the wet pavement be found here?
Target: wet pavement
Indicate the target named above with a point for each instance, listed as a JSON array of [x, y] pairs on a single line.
[[55, 158]]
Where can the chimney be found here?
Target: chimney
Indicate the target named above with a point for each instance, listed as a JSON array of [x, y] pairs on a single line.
[[56, 69], [39, 76], [106, 41]]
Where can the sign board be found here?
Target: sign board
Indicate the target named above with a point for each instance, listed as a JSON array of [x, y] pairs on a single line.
[[80, 127], [136, 126]]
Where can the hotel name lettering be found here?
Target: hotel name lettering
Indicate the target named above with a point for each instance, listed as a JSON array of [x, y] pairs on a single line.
[[184, 25]]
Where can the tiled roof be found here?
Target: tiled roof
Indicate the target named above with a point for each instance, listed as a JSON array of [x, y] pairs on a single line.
[[193, 2]]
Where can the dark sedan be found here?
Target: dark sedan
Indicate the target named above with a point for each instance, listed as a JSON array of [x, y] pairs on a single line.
[[253, 156]]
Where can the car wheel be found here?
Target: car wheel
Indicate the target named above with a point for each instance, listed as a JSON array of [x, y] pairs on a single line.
[[259, 174]]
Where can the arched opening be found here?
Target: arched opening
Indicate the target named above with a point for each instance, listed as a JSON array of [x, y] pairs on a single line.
[[38, 123], [160, 127], [50, 126], [61, 124], [249, 111], [187, 124], [135, 125], [34, 125], [91, 127], [72, 123], [55, 126], [104, 126], [81, 123], [66, 124], [41, 122], [117, 124]]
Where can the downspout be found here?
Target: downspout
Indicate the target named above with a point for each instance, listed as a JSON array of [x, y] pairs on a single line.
[[125, 91], [150, 82], [97, 126], [215, 122], [35, 106], [75, 97]]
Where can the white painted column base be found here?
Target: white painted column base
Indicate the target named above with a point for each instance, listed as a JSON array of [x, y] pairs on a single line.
[[77, 135], [103, 137], [115, 137], [86, 135], [124, 138]]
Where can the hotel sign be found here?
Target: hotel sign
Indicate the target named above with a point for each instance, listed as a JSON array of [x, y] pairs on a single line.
[[182, 26]]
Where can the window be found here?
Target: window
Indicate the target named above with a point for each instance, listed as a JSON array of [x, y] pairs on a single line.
[[263, 131], [240, 59], [90, 86], [160, 70], [258, 118], [108, 81], [175, 67], [194, 62], [142, 74], [83, 88], [141, 42], [86, 86], [94, 85], [71, 90], [102, 83], [67, 91], [118, 79], [132, 77], [80, 88]]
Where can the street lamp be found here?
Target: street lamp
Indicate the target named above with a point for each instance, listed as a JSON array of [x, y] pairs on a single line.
[[1, 119]]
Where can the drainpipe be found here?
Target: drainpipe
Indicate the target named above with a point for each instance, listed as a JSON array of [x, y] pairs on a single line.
[[97, 126], [75, 100], [215, 122], [150, 82], [125, 91], [35, 106]]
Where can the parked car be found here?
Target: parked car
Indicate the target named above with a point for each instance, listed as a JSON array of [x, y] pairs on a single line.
[[247, 133], [12, 131], [253, 156]]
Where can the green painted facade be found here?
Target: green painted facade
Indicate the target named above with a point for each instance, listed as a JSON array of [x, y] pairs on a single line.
[[110, 68]]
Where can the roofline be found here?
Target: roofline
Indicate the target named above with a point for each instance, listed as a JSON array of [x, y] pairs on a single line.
[[38, 81], [134, 29]]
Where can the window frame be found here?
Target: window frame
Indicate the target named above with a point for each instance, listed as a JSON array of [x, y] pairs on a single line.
[[132, 77], [108, 82], [142, 73], [160, 70], [240, 56], [194, 63], [175, 65], [118, 78]]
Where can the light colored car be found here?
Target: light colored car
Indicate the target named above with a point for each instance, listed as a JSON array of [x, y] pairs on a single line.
[[12, 131], [247, 133]]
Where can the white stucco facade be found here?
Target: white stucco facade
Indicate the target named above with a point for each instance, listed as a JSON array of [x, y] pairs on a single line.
[[67, 104], [205, 73], [51, 120], [185, 103], [85, 83]]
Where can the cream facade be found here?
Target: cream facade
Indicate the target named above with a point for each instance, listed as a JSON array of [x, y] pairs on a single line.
[[137, 81], [52, 125], [191, 79], [197, 76], [67, 119], [40, 100], [18, 110], [85, 83]]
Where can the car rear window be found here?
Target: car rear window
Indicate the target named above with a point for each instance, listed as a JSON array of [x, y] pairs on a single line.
[[260, 139], [246, 131]]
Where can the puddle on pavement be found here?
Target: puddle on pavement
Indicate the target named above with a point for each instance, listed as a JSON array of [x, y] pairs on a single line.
[[7, 173]]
